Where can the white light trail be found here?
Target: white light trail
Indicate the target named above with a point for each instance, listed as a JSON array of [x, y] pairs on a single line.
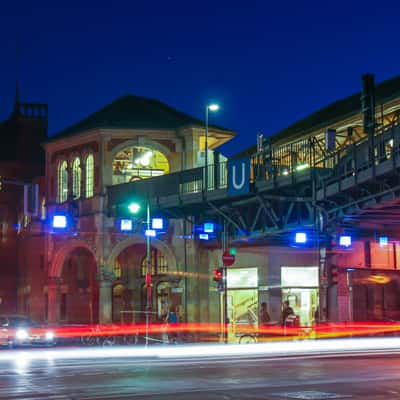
[[287, 348]]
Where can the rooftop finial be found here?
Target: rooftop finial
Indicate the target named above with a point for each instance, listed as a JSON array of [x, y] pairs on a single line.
[[17, 94], [17, 98]]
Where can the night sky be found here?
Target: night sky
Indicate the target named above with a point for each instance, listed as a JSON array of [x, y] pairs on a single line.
[[267, 63]]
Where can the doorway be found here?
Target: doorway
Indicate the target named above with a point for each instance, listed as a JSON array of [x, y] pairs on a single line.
[[242, 300], [304, 303], [300, 286]]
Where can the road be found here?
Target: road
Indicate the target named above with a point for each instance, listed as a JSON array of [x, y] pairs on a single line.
[[35, 374]]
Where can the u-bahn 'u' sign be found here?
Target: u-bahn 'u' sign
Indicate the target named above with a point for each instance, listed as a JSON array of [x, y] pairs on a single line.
[[238, 176]]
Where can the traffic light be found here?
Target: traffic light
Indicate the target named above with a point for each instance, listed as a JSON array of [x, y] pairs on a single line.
[[333, 275], [219, 278]]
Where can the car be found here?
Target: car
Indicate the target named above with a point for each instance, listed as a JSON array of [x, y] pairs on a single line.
[[19, 330]]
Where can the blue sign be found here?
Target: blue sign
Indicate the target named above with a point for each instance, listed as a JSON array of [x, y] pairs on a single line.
[[239, 176], [126, 225]]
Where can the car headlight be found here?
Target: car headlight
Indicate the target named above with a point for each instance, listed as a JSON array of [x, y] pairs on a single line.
[[21, 334], [49, 335]]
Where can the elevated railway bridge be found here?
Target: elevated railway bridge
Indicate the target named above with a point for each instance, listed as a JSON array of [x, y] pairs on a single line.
[[356, 188]]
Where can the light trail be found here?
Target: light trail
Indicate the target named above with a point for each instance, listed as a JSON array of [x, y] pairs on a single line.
[[272, 349]]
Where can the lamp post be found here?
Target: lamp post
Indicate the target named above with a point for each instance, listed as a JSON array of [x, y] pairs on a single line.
[[211, 107], [135, 208], [148, 272]]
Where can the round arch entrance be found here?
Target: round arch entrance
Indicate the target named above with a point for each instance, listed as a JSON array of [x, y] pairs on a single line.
[[75, 270], [129, 289]]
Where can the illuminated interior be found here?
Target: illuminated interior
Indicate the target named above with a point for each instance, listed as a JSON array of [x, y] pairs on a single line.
[[136, 163]]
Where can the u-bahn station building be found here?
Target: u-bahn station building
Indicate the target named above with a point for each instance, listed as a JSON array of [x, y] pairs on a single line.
[[311, 211]]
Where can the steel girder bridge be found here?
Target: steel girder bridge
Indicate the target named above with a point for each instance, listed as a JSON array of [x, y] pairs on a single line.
[[356, 187]]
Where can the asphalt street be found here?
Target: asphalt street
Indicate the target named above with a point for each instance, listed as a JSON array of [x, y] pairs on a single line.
[[357, 376]]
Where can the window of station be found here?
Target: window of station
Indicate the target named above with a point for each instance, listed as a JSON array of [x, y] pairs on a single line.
[[89, 176], [76, 178], [62, 192], [159, 263], [137, 163]]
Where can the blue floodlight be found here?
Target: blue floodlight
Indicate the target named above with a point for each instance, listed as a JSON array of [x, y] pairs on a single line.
[[150, 232], [157, 223], [126, 225], [383, 241], [203, 236], [59, 221], [345, 241], [208, 227], [300, 237]]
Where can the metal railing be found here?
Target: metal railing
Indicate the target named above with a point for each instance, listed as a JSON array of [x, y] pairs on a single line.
[[360, 155], [184, 182], [287, 160]]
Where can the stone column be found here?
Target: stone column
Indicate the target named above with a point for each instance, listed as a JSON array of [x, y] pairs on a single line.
[[69, 181], [105, 279], [105, 301], [83, 178], [53, 300]]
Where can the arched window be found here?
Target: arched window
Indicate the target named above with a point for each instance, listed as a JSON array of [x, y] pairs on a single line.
[[76, 178], [43, 210], [62, 190], [137, 163], [89, 176], [158, 263]]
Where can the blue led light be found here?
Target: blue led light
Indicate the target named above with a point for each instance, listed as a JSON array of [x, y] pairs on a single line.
[[59, 221], [300, 237], [150, 232], [208, 227], [157, 223], [126, 225], [383, 241], [345, 241]]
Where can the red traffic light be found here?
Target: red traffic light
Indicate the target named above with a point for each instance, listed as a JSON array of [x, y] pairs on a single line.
[[148, 280], [334, 275], [218, 274]]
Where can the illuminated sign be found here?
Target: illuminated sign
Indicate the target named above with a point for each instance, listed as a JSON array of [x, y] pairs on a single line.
[[157, 223], [299, 277], [59, 221], [150, 232], [300, 237], [208, 227], [242, 277], [345, 241], [126, 225]]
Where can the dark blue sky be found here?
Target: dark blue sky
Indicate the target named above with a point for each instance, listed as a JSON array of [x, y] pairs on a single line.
[[268, 64]]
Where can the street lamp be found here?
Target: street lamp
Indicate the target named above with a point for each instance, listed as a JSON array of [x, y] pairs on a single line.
[[211, 107], [135, 208]]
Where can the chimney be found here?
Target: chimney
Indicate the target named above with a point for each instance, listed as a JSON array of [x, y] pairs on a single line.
[[368, 104]]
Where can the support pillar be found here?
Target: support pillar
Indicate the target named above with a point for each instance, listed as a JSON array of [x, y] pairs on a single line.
[[53, 300], [105, 301]]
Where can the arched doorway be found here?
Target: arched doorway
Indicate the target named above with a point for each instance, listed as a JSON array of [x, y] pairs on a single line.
[[79, 291], [138, 162], [130, 292]]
